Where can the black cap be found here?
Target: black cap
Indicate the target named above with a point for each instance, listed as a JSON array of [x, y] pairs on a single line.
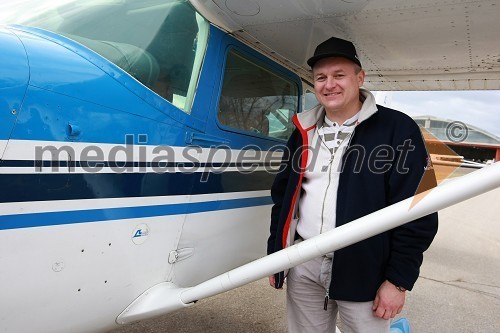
[[334, 47]]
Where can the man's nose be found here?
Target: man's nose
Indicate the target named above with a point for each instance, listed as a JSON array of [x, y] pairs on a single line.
[[330, 82]]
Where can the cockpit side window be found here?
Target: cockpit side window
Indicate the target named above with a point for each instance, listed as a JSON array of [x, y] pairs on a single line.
[[309, 98], [161, 43], [256, 99]]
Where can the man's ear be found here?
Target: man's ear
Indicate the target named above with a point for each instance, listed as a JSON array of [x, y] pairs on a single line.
[[361, 78]]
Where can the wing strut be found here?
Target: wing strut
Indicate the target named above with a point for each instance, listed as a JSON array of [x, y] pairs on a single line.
[[166, 297]]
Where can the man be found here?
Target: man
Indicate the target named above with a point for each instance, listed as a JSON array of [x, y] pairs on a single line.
[[347, 158]]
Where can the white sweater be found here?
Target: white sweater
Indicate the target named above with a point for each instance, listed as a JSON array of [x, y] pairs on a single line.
[[317, 205], [318, 201]]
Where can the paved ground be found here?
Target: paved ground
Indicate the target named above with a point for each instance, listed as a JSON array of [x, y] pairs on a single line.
[[458, 291]]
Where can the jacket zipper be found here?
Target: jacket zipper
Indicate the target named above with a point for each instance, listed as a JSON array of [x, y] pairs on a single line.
[[324, 198], [350, 138], [330, 174], [327, 298], [327, 295]]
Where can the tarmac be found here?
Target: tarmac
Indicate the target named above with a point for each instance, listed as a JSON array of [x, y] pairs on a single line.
[[458, 290]]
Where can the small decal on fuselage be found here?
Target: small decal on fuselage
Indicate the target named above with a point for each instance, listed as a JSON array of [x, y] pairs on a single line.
[[140, 234]]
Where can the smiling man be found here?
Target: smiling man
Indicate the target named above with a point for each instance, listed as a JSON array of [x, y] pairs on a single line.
[[347, 158]]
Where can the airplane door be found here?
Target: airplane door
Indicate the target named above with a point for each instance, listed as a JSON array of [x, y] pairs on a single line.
[[14, 78], [251, 116]]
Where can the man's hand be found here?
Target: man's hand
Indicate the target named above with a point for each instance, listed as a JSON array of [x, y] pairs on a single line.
[[389, 301], [272, 281]]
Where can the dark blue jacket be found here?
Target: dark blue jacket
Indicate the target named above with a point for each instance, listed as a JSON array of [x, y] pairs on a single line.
[[367, 183]]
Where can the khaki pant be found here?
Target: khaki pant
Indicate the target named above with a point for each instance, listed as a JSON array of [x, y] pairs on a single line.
[[305, 301]]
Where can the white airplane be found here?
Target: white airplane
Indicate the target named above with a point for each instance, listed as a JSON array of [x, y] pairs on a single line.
[[138, 140]]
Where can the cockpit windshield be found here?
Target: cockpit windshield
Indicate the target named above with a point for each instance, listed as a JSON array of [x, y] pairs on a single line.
[[159, 42]]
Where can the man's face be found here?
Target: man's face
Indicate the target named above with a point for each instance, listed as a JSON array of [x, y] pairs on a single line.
[[336, 84]]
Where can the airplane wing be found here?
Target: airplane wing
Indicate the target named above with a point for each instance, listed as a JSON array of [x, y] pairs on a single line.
[[166, 297], [403, 44]]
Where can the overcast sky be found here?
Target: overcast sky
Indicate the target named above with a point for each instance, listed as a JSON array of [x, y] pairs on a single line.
[[477, 108]]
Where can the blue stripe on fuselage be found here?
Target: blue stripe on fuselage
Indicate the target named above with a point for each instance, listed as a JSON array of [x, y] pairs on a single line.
[[31, 220], [53, 187]]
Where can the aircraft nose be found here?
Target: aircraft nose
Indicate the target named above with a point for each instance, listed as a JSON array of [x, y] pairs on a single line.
[[14, 78]]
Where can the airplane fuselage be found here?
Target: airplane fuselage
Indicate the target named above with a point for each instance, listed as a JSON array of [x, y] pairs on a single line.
[[119, 176]]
